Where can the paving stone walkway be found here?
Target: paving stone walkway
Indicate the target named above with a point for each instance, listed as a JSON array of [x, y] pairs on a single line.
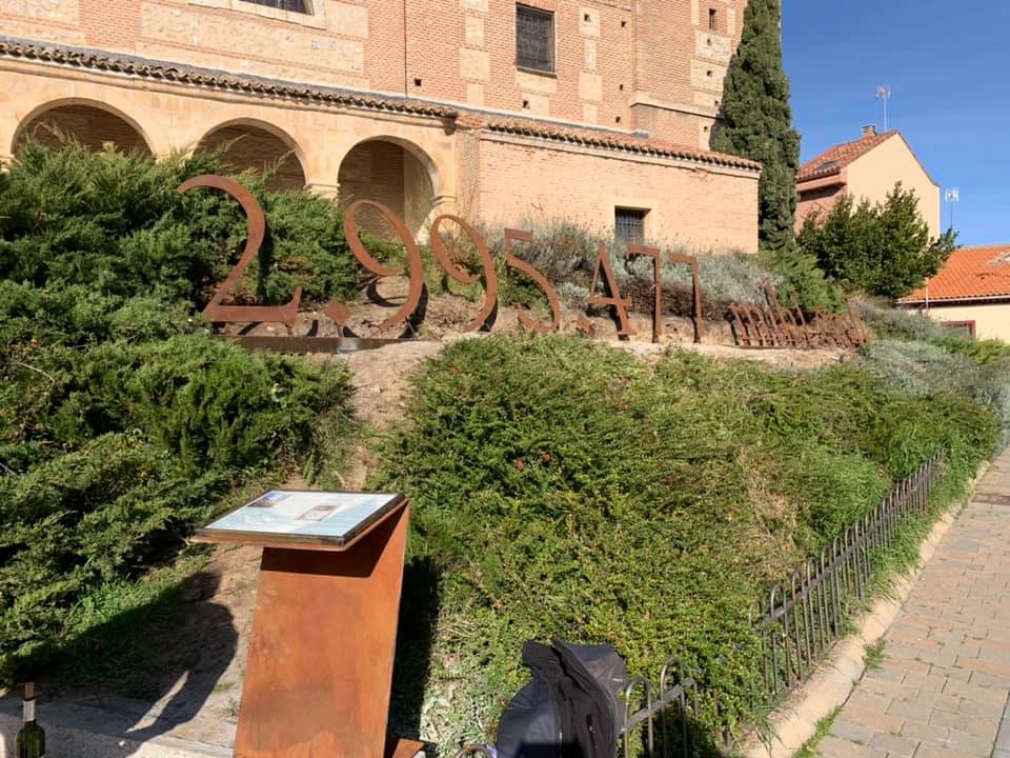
[[941, 690]]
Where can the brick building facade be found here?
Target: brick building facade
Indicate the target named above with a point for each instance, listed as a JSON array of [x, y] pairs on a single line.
[[591, 110]]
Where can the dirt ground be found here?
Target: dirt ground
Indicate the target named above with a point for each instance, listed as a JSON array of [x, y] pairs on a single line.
[[208, 650]]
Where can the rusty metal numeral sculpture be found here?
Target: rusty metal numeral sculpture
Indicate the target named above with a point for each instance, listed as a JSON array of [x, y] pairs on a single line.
[[657, 269], [699, 318], [748, 318], [657, 266], [552, 297], [490, 276], [216, 310], [613, 298], [777, 326], [339, 312]]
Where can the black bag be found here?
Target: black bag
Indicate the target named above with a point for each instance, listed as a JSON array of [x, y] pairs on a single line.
[[571, 708]]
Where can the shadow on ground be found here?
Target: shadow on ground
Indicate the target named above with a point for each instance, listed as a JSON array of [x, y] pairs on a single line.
[[155, 668], [419, 609]]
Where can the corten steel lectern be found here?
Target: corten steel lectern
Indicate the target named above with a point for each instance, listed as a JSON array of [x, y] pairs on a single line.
[[320, 665]]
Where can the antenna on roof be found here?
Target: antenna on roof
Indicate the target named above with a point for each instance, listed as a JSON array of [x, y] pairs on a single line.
[[952, 196], [884, 93]]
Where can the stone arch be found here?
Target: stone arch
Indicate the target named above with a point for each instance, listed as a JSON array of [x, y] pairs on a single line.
[[252, 144], [394, 172], [94, 124]]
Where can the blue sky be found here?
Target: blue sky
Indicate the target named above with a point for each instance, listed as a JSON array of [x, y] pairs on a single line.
[[948, 66]]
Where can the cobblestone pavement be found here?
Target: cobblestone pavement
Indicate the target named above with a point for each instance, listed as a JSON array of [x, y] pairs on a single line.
[[941, 689]]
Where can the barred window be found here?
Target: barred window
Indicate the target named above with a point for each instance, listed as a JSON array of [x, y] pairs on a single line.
[[294, 6], [534, 39], [629, 225], [964, 329]]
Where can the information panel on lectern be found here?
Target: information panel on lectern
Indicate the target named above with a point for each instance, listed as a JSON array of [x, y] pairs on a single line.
[[304, 516]]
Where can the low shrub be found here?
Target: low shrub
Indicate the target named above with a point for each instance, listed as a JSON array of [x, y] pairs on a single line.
[[561, 488], [117, 225], [897, 323], [972, 370], [983, 352], [567, 254], [123, 423], [76, 315], [917, 355], [112, 453]]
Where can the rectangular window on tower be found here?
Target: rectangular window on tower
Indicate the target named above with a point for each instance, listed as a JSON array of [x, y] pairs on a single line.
[[534, 39], [629, 225], [713, 19]]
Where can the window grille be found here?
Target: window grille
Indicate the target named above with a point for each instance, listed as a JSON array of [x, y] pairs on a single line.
[[629, 225], [534, 39], [960, 328], [294, 6]]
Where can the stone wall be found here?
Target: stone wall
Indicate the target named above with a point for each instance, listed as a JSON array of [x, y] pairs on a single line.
[[702, 208], [419, 165], [654, 65]]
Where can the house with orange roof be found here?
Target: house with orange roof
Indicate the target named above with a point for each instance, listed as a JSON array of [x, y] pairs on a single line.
[[866, 168], [971, 293]]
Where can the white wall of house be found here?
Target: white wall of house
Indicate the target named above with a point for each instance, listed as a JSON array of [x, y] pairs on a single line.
[[992, 321]]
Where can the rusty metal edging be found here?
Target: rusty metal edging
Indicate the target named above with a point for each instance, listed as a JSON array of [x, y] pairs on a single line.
[[308, 345]]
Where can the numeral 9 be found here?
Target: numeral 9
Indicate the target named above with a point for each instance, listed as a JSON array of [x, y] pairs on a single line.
[[490, 276], [415, 268]]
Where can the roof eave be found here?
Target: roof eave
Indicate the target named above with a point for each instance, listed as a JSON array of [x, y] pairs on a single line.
[[813, 182], [940, 301], [531, 129], [34, 52]]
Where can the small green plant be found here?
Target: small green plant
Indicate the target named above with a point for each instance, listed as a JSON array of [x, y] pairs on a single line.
[[873, 654], [809, 749]]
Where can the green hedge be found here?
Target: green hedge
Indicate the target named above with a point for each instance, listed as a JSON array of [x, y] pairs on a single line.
[[123, 423], [111, 454], [563, 488], [116, 225]]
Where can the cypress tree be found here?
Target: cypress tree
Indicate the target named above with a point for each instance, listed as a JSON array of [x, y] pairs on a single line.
[[757, 120]]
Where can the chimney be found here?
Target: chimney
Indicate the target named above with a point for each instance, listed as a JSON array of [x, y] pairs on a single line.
[[869, 130]]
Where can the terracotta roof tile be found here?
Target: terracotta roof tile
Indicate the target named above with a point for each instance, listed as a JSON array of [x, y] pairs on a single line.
[[470, 120], [185, 75], [613, 141], [834, 159], [971, 272]]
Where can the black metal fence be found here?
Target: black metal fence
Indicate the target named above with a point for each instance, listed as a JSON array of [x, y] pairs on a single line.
[[797, 625], [803, 617]]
